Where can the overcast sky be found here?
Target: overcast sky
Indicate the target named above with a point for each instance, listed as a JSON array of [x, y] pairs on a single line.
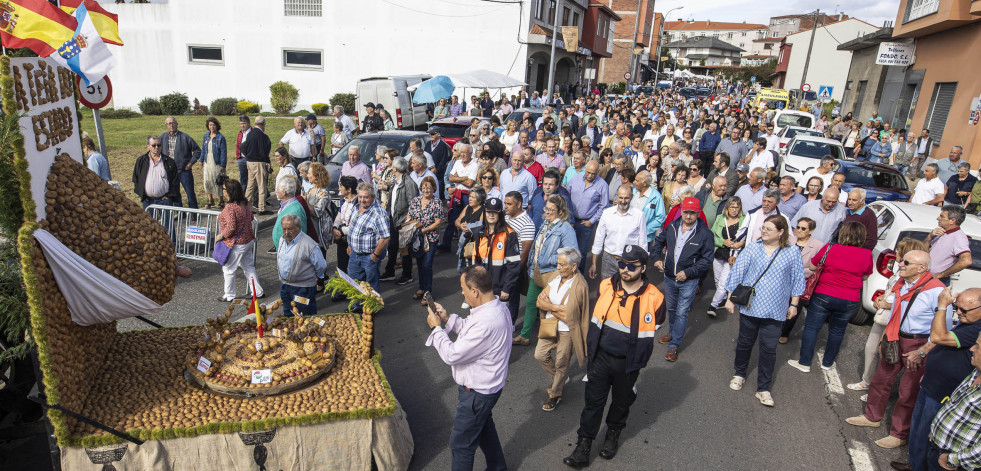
[[760, 11]]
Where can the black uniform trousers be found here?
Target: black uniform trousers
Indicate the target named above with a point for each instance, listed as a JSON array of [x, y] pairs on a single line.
[[606, 373]]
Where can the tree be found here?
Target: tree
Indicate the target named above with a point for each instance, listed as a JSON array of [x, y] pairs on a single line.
[[762, 73]]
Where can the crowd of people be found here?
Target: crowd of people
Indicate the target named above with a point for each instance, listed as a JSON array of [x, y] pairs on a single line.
[[606, 189]]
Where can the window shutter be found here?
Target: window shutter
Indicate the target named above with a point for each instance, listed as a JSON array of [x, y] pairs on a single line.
[[940, 102]]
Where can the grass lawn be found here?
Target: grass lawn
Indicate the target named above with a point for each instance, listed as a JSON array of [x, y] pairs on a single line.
[[126, 140]]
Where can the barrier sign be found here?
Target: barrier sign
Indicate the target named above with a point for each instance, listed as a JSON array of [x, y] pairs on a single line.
[[196, 235], [900, 54]]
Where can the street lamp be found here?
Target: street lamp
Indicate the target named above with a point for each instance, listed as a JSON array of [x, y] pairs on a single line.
[[657, 70]]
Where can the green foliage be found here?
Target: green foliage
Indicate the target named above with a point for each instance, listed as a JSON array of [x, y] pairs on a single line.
[[301, 113], [151, 107], [829, 107], [109, 113], [284, 97], [761, 72], [175, 104], [14, 313], [344, 99], [619, 87], [11, 210], [247, 107], [224, 106], [321, 109]]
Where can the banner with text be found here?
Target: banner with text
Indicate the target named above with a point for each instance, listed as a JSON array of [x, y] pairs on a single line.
[[45, 96], [900, 54], [570, 34]]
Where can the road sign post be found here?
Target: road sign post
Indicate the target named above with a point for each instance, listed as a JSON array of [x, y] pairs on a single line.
[[96, 97], [626, 76], [825, 92], [805, 88]]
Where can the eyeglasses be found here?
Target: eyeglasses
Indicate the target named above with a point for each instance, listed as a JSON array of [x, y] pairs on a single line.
[[628, 266], [964, 311], [155, 145], [487, 177], [907, 262]]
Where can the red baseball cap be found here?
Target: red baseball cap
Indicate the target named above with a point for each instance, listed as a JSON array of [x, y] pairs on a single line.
[[690, 204]]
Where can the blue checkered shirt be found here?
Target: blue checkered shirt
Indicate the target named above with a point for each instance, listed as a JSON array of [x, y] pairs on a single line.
[[367, 228]]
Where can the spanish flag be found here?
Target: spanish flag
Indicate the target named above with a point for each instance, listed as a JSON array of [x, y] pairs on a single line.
[[107, 24], [36, 25]]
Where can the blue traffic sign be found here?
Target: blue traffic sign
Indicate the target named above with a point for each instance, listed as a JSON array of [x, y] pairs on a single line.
[[752, 79], [824, 92]]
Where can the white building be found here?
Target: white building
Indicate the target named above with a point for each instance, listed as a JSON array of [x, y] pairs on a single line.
[[704, 51], [828, 65], [238, 48], [740, 35]]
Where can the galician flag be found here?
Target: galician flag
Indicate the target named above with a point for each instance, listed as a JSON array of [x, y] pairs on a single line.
[[85, 53]]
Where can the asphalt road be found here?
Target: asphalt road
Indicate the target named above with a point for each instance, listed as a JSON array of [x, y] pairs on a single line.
[[685, 416]]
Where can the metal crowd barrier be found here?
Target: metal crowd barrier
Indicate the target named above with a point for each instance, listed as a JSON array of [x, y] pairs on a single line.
[[193, 231]]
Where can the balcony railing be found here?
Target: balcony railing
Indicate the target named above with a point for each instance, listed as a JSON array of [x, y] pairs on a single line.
[[919, 8]]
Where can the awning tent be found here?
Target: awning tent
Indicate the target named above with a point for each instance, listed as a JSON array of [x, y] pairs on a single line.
[[479, 79]]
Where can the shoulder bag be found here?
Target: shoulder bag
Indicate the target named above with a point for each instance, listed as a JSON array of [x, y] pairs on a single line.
[[743, 295], [889, 349], [812, 281], [549, 326], [222, 251]]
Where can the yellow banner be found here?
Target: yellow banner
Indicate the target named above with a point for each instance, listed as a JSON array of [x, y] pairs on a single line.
[[570, 34]]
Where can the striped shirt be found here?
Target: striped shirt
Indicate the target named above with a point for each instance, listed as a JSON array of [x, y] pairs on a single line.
[[157, 185], [957, 426], [523, 225]]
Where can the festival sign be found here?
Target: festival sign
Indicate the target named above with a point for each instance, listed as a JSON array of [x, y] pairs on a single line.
[[45, 97]]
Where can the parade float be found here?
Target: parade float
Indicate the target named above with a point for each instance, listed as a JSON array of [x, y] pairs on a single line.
[[270, 393]]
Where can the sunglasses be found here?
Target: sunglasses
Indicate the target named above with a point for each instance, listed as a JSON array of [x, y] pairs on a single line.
[[907, 262], [962, 310], [628, 266], [155, 145], [802, 228], [487, 177]]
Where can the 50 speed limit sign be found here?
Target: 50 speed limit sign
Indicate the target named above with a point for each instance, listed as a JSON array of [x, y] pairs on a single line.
[[95, 96]]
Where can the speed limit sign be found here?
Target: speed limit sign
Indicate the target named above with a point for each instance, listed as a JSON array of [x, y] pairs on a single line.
[[95, 96], [626, 75]]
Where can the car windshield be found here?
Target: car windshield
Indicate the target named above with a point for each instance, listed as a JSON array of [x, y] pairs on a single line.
[[974, 244], [791, 132], [704, 91], [516, 116], [816, 150], [368, 148], [872, 177], [452, 130], [795, 120]]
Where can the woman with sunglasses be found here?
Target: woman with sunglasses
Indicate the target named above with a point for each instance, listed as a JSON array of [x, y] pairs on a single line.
[[686, 136], [727, 245], [815, 186], [837, 294], [679, 179], [488, 181], [808, 246], [776, 273], [882, 316], [442, 110], [695, 177]]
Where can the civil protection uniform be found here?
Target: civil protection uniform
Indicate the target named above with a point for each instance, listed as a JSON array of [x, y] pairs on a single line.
[[500, 253], [619, 343]]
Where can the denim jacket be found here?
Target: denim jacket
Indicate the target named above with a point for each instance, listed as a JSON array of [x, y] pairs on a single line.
[[562, 235], [220, 149]]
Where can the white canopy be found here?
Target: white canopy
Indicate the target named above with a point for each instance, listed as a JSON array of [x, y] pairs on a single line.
[[479, 79]]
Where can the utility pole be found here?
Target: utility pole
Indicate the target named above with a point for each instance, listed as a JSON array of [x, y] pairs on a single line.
[[660, 34], [551, 57], [807, 61], [633, 44]]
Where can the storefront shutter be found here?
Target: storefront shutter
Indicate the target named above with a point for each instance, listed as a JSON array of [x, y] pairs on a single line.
[[940, 102]]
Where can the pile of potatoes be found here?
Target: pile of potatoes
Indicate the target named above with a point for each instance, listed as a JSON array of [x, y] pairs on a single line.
[[142, 384]]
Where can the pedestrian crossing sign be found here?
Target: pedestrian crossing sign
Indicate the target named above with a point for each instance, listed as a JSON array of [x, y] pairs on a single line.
[[824, 92]]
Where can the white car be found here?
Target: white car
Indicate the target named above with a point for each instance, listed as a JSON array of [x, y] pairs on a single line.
[[788, 133], [784, 118], [804, 152], [897, 221]]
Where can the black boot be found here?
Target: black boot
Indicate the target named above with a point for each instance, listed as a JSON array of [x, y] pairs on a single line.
[[579, 456], [610, 444]]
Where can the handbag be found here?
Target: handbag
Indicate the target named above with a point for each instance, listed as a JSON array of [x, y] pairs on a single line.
[[812, 281], [221, 251], [549, 327], [743, 295], [889, 349]]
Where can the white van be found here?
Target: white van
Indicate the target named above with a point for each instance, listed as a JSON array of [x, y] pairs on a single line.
[[784, 118], [392, 93]]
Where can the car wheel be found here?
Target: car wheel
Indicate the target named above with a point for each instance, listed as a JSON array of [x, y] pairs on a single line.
[[861, 316]]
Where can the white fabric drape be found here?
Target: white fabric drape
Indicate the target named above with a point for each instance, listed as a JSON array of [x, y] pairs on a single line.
[[93, 295]]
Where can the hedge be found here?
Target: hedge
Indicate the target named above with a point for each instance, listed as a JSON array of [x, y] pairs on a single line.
[[151, 107], [224, 106]]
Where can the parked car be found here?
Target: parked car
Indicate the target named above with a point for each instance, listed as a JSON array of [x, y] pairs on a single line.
[[645, 89], [898, 220], [880, 182], [788, 133], [518, 113], [804, 152], [393, 94], [665, 84], [784, 118], [368, 144], [452, 129], [702, 93], [688, 92]]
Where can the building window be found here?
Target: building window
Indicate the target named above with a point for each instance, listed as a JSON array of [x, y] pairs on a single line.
[[743, 34], [539, 9], [565, 16], [575, 19], [742, 45], [729, 35], [916, 9], [213, 55], [940, 102], [551, 12], [768, 46], [302, 7], [774, 34], [305, 59]]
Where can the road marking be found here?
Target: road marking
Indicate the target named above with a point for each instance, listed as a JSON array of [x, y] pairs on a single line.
[[859, 453], [831, 377]]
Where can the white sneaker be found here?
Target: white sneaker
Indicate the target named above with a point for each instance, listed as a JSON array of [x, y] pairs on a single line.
[[796, 364], [859, 386], [864, 398], [765, 398], [827, 368], [736, 383], [711, 311]]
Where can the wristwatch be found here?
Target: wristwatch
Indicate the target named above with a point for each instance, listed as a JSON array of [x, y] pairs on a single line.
[[922, 355]]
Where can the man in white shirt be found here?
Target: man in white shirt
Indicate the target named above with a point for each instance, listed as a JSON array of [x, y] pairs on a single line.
[[823, 171], [619, 226], [299, 142], [463, 176], [930, 190], [345, 120], [760, 156], [772, 140]]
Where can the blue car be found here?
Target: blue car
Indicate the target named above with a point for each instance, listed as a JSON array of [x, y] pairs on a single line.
[[880, 182]]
